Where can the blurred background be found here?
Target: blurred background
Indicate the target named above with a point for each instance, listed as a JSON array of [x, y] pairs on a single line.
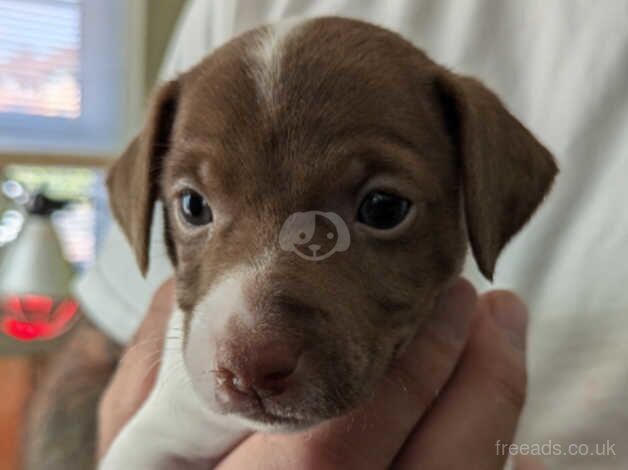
[[74, 76]]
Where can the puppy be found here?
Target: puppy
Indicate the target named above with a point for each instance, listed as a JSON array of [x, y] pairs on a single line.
[[321, 182]]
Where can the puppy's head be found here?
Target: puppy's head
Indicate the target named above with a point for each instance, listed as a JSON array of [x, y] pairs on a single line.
[[321, 182]]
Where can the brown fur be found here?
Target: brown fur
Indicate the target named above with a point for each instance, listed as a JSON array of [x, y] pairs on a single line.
[[355, 104], [61, 425]]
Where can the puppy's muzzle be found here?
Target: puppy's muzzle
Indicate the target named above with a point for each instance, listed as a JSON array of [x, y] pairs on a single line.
[[251, 367]]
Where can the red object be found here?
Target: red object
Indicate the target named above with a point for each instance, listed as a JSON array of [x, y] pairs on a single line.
[[36, 317]]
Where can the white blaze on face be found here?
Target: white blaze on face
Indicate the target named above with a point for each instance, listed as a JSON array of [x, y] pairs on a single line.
[[224, 301], [266, 57], [209, 320]]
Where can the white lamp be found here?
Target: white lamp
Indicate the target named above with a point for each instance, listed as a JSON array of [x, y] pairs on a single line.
[[35, 278]]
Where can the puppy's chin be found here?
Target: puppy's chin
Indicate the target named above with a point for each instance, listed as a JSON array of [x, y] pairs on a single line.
[[276, 424], [306, 406], [296, 411]]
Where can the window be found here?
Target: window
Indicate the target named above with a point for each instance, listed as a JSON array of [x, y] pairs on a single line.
[[69, 75], [40, 77]]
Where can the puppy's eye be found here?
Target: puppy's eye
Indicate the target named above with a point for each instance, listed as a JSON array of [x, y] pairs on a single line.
[[194, 208], [383, 210]]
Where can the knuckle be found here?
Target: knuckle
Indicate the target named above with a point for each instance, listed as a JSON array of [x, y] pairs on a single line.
[[501, 299], [445, 349], [441, 355], [508, 380]]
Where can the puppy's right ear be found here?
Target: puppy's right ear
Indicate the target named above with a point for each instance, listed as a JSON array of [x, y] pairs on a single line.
[[133, 181]]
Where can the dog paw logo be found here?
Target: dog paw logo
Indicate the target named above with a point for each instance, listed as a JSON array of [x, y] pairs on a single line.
[[314, 235]]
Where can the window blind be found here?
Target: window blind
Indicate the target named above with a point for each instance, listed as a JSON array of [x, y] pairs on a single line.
[[40, 70]]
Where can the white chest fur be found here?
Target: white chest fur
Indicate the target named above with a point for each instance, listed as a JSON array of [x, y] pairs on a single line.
[[173, 429]]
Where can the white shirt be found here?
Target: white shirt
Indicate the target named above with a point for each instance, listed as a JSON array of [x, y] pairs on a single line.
[[561, 66]]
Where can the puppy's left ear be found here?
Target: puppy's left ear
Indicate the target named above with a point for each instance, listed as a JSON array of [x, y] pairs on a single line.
[[505, 171], [133, 181]]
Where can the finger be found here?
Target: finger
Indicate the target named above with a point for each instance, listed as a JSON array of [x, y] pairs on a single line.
[[472, 423], [137, 370], [371, 435], [158, 313]]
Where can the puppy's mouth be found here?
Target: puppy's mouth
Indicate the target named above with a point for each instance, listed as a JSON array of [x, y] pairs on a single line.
[[298, 410], [263, 412]]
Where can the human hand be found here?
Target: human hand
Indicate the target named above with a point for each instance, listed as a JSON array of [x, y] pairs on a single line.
[[403, 425], [137, 370]]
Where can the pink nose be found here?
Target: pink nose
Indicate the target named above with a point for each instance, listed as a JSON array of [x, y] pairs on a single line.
[[263, 370]]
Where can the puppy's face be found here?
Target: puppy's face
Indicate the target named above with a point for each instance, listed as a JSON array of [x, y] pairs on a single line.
[[320, 182]]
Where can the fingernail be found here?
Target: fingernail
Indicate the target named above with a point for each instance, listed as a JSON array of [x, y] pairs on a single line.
[[455, 307], [511, 316]]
